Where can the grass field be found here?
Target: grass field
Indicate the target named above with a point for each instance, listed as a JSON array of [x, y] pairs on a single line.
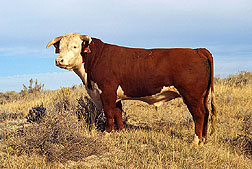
[[53, 129]]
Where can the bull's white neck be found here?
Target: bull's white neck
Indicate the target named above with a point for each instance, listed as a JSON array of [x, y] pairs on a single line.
[[94, 92], [80, 71]]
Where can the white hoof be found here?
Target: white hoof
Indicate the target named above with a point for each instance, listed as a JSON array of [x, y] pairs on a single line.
[[107, 134], [195, 140]]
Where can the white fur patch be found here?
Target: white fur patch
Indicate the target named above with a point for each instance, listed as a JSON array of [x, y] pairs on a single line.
[[95, 94], [157, 104], [120, 94]]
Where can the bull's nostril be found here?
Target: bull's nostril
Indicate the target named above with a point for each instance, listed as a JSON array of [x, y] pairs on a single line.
[[59, 61]]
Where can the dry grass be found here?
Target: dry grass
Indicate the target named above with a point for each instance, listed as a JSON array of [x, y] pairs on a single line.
[[68, 133]]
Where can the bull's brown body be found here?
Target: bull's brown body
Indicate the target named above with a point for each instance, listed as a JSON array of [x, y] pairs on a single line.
[[143, 73]]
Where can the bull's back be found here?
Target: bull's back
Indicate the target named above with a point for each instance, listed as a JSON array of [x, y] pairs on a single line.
[[146, 71]]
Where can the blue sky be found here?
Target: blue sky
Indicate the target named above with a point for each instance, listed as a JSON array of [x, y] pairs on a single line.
[[224, 27]]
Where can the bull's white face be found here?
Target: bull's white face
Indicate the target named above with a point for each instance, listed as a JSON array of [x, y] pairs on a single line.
[[70, 52], [70, 49]]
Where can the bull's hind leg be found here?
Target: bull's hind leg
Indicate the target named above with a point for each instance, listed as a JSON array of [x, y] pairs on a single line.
[[195, 107]]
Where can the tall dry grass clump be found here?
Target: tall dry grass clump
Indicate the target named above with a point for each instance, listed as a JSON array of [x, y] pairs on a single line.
[[234, 99], [240, 79]]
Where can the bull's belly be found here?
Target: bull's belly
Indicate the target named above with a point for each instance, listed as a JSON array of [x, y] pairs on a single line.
[[166, 94]]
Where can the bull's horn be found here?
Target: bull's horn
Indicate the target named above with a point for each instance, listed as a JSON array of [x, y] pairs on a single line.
[[55, 40], [86, 38]]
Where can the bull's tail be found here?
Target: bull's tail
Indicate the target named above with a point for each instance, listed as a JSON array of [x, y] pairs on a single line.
[[211, 86], [213, 112]]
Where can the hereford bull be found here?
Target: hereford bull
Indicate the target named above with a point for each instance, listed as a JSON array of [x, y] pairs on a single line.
[[113, 73]]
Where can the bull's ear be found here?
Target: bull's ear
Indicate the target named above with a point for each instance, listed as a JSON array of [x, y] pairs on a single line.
[[56, 45], [85, 47]]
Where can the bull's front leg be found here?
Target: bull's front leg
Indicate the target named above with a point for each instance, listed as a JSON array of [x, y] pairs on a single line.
[[112, 110]]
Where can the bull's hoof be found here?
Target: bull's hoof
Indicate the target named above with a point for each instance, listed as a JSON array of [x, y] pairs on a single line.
[[195, 141], [107, 134]]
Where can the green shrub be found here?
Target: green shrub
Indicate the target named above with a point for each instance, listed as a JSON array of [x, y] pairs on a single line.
[[36, 114], [87, 111]]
